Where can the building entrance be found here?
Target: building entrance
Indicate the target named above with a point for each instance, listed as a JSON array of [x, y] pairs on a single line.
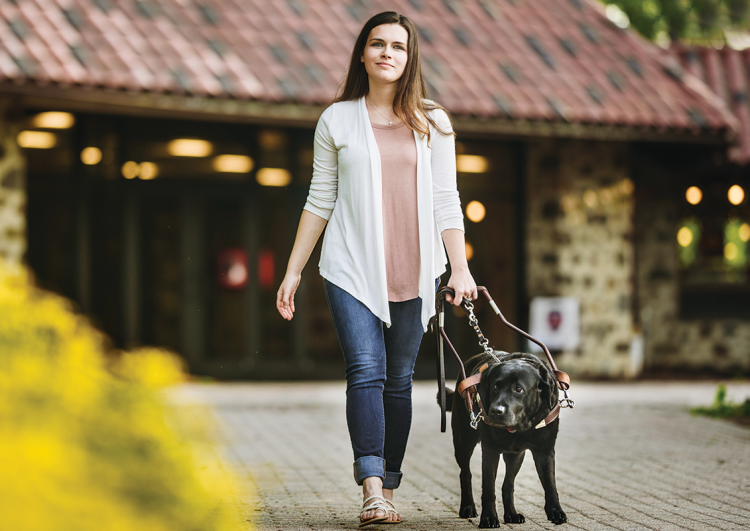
[[177, 235]]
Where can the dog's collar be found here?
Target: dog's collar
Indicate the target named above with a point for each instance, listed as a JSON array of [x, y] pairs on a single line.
[[470, 385]]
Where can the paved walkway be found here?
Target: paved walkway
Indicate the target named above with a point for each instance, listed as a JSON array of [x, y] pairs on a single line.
[[629, 457]]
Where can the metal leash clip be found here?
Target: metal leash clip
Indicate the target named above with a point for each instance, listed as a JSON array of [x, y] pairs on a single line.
[[567, 401], [475, 419]]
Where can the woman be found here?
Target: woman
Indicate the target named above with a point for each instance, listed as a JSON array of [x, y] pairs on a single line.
[[384, 184]]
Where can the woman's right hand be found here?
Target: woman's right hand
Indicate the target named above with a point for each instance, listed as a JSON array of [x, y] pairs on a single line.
[[285, 295]]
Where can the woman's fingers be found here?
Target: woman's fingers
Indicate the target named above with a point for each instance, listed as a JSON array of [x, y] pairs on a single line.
[[286, 310], [464, 287]]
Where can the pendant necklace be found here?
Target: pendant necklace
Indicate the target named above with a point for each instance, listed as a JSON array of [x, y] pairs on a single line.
[[381, 114]]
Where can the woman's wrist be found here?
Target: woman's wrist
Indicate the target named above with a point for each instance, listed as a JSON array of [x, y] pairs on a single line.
[[460, 268], [292, 272]]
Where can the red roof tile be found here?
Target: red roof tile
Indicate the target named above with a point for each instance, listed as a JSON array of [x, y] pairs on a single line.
[[553, 60], [726, 72]]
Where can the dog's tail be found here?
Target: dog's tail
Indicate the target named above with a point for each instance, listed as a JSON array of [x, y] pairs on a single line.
[[448, 399]]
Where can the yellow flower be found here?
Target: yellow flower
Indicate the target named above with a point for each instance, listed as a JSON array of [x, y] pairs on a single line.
[[86, 438]]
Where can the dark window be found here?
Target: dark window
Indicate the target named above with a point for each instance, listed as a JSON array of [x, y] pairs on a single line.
[[713, 241]]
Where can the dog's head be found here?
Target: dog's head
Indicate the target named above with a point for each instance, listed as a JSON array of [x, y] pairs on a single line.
[[518, 392]]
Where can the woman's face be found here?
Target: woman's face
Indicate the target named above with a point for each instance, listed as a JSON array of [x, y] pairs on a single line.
[[385, 53]]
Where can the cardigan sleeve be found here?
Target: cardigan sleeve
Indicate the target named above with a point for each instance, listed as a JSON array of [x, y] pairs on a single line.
[[445, 201], [324, 186]]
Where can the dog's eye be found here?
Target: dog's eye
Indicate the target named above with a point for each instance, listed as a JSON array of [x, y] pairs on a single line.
[[518, 389]]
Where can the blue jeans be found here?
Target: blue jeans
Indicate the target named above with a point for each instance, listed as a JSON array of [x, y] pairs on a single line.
[[379, 368]]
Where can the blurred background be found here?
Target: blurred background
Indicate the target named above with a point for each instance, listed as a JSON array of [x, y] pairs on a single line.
[[155, 156]]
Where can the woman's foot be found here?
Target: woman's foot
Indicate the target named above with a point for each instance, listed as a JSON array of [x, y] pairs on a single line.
[[393, 515], [374, 511], [374, 506]]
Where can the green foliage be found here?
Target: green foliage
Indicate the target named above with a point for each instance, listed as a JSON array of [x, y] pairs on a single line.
[[87, 440], [723, 409], [691, 20]]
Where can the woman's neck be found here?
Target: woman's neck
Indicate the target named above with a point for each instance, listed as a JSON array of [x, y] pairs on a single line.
[[381, 96]]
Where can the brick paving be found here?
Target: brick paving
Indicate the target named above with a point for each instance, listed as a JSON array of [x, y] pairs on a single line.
[[629, 456]]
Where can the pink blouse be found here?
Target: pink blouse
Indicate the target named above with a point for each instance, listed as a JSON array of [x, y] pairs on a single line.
[[398, 161]]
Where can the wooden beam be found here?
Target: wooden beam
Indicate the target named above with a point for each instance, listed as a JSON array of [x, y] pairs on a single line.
[[109, 101]]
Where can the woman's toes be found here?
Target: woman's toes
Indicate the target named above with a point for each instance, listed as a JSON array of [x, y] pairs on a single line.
[[368, 515]]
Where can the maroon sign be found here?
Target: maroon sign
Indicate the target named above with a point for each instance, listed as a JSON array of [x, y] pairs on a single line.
[[554, 318]]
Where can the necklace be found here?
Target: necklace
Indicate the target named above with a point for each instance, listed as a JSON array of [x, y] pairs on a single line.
[[380, 113]]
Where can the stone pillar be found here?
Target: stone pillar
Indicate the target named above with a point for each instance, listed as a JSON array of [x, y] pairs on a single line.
[[579, 241], [12, 192]]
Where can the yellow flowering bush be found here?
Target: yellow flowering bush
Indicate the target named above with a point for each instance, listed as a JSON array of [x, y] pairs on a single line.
[[87, 441]]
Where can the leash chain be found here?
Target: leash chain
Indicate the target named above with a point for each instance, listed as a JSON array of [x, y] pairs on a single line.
[[474, 322]]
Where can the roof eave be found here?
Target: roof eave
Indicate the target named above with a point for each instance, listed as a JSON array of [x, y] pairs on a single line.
[[180, 106]]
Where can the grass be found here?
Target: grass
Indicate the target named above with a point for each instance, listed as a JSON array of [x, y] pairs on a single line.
[[723, 409]]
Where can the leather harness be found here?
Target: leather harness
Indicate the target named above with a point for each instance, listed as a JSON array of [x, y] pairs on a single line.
[[467, 387]]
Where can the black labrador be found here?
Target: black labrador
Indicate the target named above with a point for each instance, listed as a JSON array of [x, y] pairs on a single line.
[[517, 394]]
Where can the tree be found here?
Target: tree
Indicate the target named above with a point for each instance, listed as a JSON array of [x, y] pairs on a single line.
[[687, 20]]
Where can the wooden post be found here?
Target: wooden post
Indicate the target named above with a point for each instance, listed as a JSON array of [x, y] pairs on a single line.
[[194, 273]]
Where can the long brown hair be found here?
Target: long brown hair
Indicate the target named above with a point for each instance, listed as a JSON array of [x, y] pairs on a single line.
[[409, 104]]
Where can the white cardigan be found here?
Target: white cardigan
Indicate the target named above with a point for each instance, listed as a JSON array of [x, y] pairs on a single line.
[[346, 190]]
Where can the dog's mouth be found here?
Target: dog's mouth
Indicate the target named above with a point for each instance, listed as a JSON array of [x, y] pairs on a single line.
[[497, 424]]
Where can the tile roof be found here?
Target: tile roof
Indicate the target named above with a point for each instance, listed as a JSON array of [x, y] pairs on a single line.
[[726, 72], [535, 60]]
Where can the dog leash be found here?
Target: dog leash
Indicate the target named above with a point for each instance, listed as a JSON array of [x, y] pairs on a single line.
[[467, 388]]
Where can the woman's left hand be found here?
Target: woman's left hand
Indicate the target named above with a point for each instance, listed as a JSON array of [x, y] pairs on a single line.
[[463, 284]]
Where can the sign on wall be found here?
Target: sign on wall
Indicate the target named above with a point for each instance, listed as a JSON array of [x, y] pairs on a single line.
[[555, 321]]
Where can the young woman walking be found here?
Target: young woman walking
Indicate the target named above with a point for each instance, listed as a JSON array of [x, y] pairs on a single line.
[[384, 190]]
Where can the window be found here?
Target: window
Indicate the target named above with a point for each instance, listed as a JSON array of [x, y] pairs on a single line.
[[712, 241]]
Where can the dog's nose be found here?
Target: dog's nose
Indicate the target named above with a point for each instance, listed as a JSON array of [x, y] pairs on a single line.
[[499, 410]]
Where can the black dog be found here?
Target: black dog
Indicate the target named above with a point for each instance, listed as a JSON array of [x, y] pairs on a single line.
[[517, 394]]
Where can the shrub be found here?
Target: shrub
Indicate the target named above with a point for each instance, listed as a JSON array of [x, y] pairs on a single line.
[[723, 409], [87, 440]]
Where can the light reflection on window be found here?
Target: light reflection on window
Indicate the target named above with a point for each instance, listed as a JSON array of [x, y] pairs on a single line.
[[735, 247], [688, 239]]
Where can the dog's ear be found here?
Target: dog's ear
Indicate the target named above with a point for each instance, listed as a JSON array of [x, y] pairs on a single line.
[[548, 387]]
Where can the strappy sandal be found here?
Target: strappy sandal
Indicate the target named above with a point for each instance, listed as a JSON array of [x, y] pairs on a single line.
[[378, 505], [391, 509]]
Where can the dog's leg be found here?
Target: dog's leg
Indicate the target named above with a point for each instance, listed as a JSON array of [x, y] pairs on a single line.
[[465, 439], [490, 460], [512, 466], [545, 467]]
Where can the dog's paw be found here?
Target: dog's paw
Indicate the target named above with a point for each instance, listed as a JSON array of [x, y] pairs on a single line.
[[469, 511], [556, 515], [489, 521], [514, 518]]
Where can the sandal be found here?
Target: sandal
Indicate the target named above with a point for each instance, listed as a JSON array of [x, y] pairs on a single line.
[[378, 505], [391, 509]]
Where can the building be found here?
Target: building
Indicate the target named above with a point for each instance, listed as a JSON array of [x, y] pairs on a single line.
[[157, 155]]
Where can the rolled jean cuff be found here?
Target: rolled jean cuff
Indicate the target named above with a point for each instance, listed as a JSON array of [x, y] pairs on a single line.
[[392, 480], [368, 466]]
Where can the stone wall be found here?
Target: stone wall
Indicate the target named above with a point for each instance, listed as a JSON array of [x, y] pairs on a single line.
[[672, 343], [579, 243], [12, 192]]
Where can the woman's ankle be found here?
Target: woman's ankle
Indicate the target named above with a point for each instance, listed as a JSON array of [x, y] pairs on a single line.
[[372, 486]]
